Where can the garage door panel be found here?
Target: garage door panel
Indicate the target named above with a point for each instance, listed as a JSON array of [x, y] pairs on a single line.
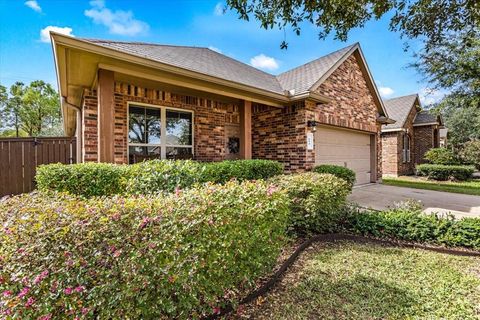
[[344, 148]]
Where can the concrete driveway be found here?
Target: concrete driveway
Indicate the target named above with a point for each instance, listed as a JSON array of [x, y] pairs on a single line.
[[380, 197]]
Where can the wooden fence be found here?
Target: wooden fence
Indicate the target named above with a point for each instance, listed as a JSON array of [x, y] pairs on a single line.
[[19, 158]]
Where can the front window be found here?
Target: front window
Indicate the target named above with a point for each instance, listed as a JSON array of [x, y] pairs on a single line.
[[406, 148], [159, 133]]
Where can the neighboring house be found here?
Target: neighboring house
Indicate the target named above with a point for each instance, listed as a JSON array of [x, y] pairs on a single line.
[[405, 142], [128, 101], [443, 137]]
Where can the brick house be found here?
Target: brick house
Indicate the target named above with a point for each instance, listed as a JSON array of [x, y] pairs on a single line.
[[127, 101], [405, 142]]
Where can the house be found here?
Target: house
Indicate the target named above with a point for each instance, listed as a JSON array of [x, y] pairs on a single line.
[[127, 101], [405, 142]]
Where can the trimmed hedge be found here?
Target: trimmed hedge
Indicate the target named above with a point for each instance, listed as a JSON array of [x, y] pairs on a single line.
[[86, 179], [220, 172], [441, 156], [411, 224], [316, 201], [149, 177], [182, 255], [445, 172], [341, 172]]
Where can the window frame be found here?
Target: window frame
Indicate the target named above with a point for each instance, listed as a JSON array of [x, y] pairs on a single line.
[[406, 147], [163, 129]]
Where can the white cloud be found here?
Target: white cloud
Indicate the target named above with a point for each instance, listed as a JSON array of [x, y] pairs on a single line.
[[430, 96], [33, 4], [219, 9], [215, 49], [118, 21], [45, 32], [264, 62], [385, 91]]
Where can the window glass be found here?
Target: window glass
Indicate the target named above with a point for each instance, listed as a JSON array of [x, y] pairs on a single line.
[[179, 128], [179, 153], [153, 126], [136, 126]]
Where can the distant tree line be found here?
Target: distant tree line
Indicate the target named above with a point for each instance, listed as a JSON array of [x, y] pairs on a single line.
[[30, 110]]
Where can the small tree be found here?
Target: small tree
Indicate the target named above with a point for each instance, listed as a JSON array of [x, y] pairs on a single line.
[[441, 156], [470, 153]]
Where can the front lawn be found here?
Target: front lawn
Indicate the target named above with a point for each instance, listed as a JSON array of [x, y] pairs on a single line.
[[465, 187], [366, 281]]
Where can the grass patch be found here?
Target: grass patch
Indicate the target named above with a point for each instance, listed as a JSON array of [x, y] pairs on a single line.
[[365, 281], [466, 187]]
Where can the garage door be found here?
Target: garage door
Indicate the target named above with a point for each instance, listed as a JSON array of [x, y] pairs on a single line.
[[344, 148]]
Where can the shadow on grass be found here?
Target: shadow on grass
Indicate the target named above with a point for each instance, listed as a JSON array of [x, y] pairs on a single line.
[[360, 297]]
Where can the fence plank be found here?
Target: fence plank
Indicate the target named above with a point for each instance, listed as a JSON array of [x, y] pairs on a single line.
[[19, 158]]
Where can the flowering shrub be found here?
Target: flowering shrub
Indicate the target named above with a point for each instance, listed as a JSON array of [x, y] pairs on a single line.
[[149, 177], [316, 200], [181, 255]]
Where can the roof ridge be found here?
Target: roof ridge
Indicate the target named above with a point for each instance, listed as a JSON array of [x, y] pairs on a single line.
[[321, 57], [140, 43], [400, 97]]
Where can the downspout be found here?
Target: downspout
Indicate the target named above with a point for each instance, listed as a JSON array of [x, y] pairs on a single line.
[[78, 130]]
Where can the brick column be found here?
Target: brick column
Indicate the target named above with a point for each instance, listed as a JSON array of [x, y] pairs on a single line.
[[246, 130], [106, 116]]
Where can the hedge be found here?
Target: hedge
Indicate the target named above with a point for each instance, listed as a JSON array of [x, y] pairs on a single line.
[[220, 172], [315, 201], [445, 172], [149, 177], [87, 179], [341, 172], [182, 255], [411, 224]]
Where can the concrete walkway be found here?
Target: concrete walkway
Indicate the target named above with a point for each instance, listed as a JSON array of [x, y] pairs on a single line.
[[380, 197]]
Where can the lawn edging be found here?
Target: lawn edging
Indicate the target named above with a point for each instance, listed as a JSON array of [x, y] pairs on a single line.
[[332, 238]]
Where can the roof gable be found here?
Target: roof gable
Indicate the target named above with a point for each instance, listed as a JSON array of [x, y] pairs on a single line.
[[398, 109]]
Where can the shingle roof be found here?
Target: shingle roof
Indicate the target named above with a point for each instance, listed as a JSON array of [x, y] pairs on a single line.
[[212, 63], [302, 78], [424, 117], [198, 59], [398, 110]]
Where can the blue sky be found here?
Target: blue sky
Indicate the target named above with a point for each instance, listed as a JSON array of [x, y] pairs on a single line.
[[25, 55]]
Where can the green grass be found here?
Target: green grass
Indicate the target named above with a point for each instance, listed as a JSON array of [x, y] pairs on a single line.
[[465, 187], [364, 281]]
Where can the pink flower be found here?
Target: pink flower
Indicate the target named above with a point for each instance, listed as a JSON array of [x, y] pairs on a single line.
[[79, 289], [68, 290], [85, 311], [216, 310], [7, 293], [177, 191], [7, 231], [116, 216], [271, 190], [45, 317], [8, 311], [23, 292], [40, 277], [29, 302], [117, 253], [144, 223]]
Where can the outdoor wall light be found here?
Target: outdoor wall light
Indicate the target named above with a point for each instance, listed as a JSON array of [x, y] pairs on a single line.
[[312, 124]]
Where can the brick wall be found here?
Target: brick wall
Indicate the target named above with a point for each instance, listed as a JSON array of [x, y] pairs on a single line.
[[423, 142], [210, 119], [280, 134], [390, 156]]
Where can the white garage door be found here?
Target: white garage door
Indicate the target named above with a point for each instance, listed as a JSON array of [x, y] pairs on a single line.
[[344, 148]]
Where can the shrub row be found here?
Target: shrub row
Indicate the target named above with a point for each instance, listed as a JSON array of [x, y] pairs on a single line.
[[345, 173], [182, 255], [445, 172], [411, 224], [150, 177]]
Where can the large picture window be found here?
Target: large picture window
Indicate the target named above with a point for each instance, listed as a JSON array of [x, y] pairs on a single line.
[[159, 132]]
